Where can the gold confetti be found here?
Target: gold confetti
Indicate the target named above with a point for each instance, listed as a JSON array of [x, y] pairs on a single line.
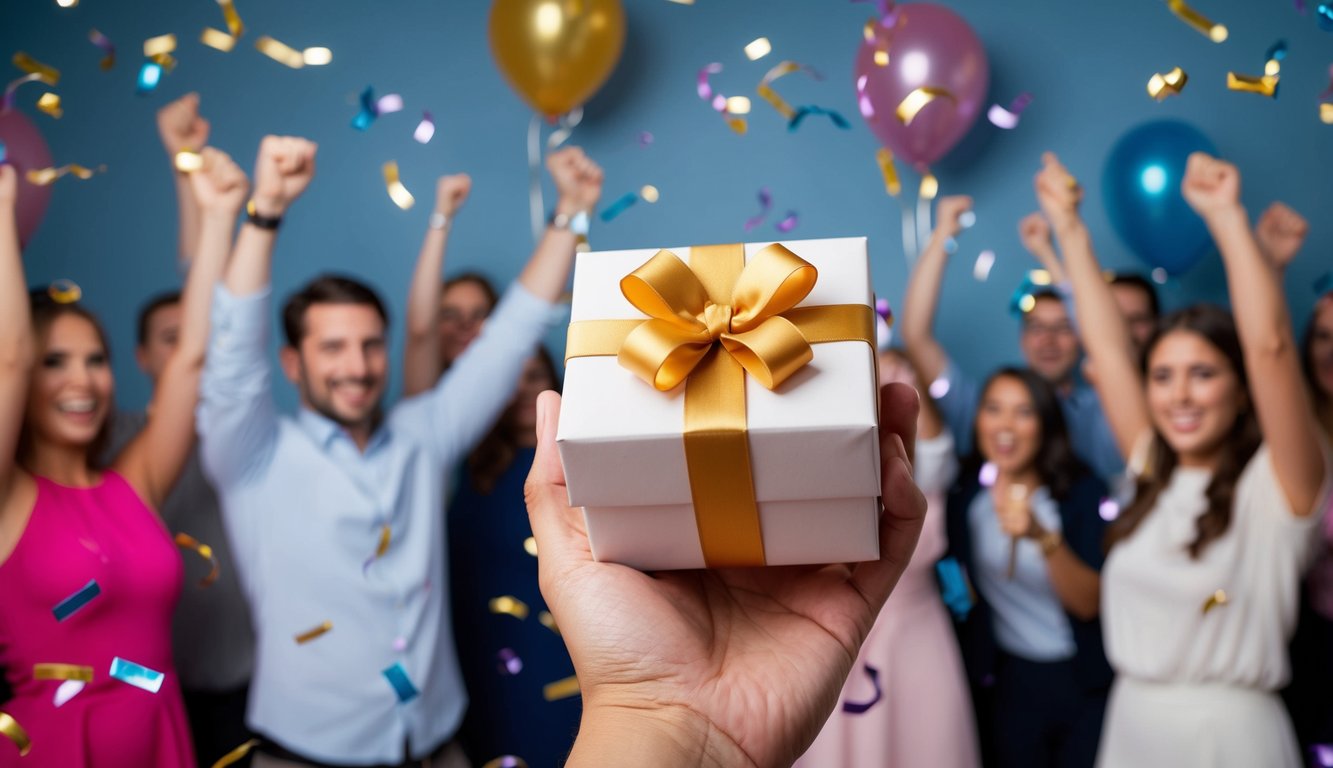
[[758, 49], [1326, 113], [236, 754], [510, 605], [548, 621], [1205, 26], [530, 546], [67, 3], [1265, 85], [317, 56], [160, 46], [50, 75], [930, 187], [185, 539], [314, 632], [914, 102], [44, 176], [233, 19], [109, 51], [64, 291], [385, 534], [1167, 84], [188, 162], [280, 52], [1214, 600], [649, 193], [11, 729], [561, 689], [766, 91], [397, 192], [1040, 277], [891, 183], [217, 39], [50, 104], [510, 761], [738, 105], [62, 672]]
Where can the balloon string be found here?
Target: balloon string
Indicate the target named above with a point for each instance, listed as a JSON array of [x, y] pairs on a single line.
[[536, 205], [909, 234], [922, 219]]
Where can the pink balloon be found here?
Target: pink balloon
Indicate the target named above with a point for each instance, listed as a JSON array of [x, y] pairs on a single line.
[[926, 46], [25, 149]]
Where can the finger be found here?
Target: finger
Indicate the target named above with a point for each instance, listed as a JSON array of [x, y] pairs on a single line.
[[899, 529], [899, 405], [559, 539]]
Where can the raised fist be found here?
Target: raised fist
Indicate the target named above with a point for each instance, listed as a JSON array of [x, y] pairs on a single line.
[[1210, 186], [1058, 192], [1035, 232], [283, 171], [578, 180], [180, 125], [451, 192], [948, 211], [220, 185], [1280, 233]]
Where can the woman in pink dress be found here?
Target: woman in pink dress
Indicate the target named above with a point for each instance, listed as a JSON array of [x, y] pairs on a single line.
[[922, 714], [89, 576]]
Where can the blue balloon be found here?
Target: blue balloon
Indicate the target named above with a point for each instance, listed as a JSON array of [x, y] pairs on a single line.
[[1141, 187]]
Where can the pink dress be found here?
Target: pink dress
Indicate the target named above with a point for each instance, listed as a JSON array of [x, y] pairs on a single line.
[[104, 533], [925, 715]]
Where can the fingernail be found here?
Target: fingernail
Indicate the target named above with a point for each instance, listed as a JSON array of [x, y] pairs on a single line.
[[541, 416]]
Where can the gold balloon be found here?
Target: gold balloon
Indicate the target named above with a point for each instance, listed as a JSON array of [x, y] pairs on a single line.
[[557, 53]]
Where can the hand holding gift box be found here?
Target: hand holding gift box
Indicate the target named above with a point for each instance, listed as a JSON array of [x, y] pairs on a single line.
[[720, 405]]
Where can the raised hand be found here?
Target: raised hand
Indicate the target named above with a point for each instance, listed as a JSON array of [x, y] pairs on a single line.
[[1211, 186], [180, 125], [1035, 233], [1012, 510], [9, 187], [220, 185], [578, 180], [283, 171], [451, 192], [948, 211], [1281, 232], [1058, 192]]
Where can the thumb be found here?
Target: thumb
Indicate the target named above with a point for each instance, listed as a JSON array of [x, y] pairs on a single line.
[[556, 526]]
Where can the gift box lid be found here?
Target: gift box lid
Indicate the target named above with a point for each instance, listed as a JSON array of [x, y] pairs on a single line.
[[813, 437]]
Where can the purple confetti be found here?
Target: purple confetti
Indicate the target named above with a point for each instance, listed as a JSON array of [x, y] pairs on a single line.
[[510, 663], [425, 129], [939, 387], [788, 223], [765, 205], [883, 309], [645, 139], [988, 475], [1323, 755], [1108, 510], [855, 708]]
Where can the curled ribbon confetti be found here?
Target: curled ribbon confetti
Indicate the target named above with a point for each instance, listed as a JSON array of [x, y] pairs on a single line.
[[1167, 84], [108, 50], [44, 176], [1214, 600], [561, 689], [788, 222], [425, 129], [285, 54], [386, 534], [835, 117], [765, 205], [981, 269], [50, 75], [914, 102], [397, 192], [65, 291], [1008, 118], [758, 49], [1265, 85], [509, 761], [15, 733], [794, 115], [891, 183], [32, 77], [860, 708], [236, 754], [510, 605], [314, 632], [205, 551], [716, 100], [70, 605], [548, 621], [1202, 24], [136, 675], [224, 41], [62, 672]]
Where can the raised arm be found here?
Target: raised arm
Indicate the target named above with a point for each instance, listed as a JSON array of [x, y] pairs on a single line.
[[1280, 233], [422, 364], [181, 128], [1106, 339], [578, 183], [923, 293], [1035, 233], [282, 172], [1272, 360], [16, 343], [153, 460]]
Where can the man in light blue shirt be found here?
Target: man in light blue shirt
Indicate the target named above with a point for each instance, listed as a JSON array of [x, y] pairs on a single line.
[[336, 516]]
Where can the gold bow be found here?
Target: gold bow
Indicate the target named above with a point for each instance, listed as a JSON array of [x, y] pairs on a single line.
[[709, 324]]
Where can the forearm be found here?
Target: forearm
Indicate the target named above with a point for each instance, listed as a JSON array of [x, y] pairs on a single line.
[[1261, 315], [252, 262], [650, 738], [211, 249], [15, 314], [422, 365], [1078, 586], [190, 220], [547, 272], [920, 304], [1045, 255]]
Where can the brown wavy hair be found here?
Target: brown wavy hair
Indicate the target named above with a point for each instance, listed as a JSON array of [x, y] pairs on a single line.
[[496, 451], [1216, 326]]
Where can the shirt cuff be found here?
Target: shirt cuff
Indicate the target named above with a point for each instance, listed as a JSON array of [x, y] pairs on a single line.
[[239, 320], [519, 305]]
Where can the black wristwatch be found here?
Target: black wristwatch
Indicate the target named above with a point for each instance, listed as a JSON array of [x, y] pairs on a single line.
[[270, 223]]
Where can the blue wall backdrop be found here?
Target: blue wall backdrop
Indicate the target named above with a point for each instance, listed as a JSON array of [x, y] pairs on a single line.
[[1085, 63]]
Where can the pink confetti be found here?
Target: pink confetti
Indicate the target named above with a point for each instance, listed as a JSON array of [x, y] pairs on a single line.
[[788, 223], [425, 129], [765, 205], [510, 663], [645, 139], [988, 475], [389, 103], [1108, 510], [1008, 118]]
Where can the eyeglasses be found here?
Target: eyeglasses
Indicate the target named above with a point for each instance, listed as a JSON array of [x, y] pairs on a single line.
[[454, 317], [1041, 329]]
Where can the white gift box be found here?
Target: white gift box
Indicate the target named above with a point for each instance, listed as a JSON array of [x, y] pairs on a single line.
[[813, 440]]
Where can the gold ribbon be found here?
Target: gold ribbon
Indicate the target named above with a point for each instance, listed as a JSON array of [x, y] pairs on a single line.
[[709, 324]]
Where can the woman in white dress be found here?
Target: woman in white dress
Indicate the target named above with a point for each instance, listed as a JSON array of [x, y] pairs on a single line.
[[1200, 589]]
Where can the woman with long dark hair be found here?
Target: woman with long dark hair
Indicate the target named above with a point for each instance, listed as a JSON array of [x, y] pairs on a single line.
[[1024, 521], [1202, 580], [89, 576]]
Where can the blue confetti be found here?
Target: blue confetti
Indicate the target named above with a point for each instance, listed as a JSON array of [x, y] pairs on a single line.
[[67, 607], [397, 677], [136, 675], [1325, 16], [149, 76], [618, 207], [368, 112], [4, 152], [801, 112]]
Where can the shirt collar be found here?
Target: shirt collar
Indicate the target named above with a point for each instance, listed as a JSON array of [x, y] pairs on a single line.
[[324, 431]]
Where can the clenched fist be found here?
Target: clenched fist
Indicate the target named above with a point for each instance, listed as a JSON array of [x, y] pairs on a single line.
[[1281, 232], [283, 171], [451, 192], [578, 180], [220, 185], [1211, 186], [181, 127]]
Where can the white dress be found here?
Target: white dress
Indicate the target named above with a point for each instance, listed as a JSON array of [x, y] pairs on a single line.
[[1200, 646]]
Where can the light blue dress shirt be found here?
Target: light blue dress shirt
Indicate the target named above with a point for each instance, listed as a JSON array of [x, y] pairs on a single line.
[[304, 509]]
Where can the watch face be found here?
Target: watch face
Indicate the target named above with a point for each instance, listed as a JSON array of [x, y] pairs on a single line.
[[578, 224]]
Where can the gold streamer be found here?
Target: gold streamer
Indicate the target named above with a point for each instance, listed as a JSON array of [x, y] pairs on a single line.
[[509, 761], [548, 621], [188, 162], [15, 733], [205, 551], [530, 546], [217, 39], [44, 176], [314, 632], [397, 192], [385, 534], [280, 52], [561, 689], [914, 102], [1326, 113], [160, 46], [1265, 85], [891, 183], [64, 291], [50, 104], [236, 754], [1218, 598], [766, 91], [62, 672], [50, 75], [1205, 26], [233, 19], [1167, 84], [508, 604], [930, 187]]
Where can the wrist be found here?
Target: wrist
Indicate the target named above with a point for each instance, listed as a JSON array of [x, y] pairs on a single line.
[[267, 207], [1228, 215], [655, 736], [569, 207]]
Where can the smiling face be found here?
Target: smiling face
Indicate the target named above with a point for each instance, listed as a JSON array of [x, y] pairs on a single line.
[[1008, 426], [463, 310], [1194, 396], [71, 389], [342, 363], [1048, 341]]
